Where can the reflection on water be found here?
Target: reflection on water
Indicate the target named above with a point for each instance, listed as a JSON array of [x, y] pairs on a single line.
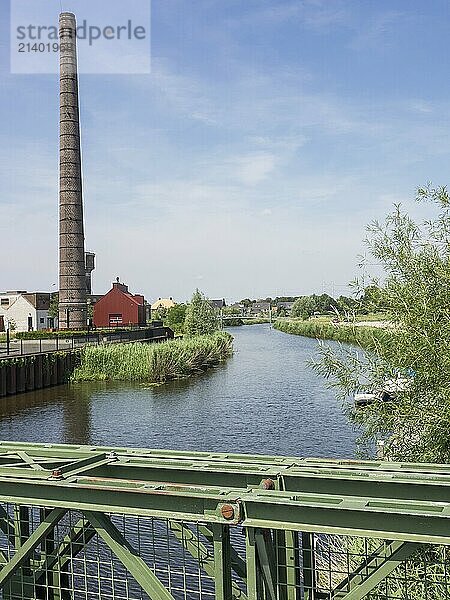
[[264, 400]]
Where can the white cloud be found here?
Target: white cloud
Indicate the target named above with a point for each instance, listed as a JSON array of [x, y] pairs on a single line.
[[314, 14], [377, 33], [255, 168], [185, 94], [421, 106]]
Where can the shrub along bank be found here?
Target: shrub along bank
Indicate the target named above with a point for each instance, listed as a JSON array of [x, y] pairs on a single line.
[[153, 363], [363, 336]]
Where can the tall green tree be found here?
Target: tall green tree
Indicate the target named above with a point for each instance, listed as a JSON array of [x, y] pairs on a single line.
[[372, 299], [306, 306], [175, 317], [415, 426], [201, 318], [54, 305], [348, 306], [303, 307]]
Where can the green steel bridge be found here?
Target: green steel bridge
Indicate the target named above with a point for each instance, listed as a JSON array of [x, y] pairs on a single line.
[[81, 522]]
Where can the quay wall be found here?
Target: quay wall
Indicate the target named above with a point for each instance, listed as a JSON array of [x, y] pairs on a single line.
[[35, 371], [28, 372]]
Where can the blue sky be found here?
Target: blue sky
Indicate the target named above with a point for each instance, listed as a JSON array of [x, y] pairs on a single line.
[[248, 162]]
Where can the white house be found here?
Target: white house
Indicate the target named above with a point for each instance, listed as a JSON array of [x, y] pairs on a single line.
[[25, 311]]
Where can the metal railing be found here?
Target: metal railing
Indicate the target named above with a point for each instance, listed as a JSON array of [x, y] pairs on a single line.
[[114, 523], [21, 347]]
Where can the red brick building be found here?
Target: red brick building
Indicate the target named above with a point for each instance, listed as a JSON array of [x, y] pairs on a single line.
[[119, 308]]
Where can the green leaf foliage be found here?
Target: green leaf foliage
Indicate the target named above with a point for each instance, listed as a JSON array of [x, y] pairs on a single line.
[[415, 426], [175, 317], [201, 318]]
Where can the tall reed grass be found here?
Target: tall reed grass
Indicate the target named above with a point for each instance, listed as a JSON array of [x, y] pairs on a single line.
[[363, 336], [153, 363]]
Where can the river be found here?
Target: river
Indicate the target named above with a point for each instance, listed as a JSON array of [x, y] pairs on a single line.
[[265, 400]]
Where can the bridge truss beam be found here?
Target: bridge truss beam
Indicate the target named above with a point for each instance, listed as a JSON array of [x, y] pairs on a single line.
[[59, 503]]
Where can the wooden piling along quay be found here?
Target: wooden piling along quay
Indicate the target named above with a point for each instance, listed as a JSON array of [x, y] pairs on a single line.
[[27, 372], [35, 371]]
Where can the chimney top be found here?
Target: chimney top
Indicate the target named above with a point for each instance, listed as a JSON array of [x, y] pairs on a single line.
[[120, 286]]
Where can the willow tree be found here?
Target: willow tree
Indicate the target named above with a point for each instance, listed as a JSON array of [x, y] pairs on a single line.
[[415, 294]]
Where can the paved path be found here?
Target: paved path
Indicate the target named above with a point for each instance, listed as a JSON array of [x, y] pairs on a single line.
[[21, 347]]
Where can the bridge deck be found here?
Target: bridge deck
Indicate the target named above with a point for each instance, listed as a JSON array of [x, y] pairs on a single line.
[[296, 513]]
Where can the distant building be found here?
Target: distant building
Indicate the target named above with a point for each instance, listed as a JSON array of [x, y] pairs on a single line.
[[260, 308], [285, 306], [237, 308], [163, 303], [25, 311], [120, 308], [219, 304]]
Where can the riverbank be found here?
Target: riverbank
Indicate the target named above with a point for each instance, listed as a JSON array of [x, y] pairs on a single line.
[[365, 336], [155, 363], [238, 321]]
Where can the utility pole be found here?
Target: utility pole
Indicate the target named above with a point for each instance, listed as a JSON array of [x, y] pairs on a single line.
[[8, 336]]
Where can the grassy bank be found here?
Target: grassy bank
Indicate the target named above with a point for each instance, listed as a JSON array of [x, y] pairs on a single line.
[[238, 321], [153, 363], [352, 334], [256, 321]]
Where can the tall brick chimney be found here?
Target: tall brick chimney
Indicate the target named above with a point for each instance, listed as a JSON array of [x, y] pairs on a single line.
[[72, 271]]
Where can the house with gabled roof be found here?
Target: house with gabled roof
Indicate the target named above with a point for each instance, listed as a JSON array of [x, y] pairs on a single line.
[[218, 304], [120, 308], [25, 311]]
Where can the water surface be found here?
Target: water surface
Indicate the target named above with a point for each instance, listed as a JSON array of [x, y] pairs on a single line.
[[266, 399]]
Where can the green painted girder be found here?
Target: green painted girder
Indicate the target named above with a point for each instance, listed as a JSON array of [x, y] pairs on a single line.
[[222, 562], [350, 478], [22, 464], [203, 556], [88, 479], [295, 479], [373, 570], [124, 497], [407, 504], [74, 542], [60, 450], [378, 517], [237, 563], [267, 562], [25, 551], [416, 521], [128, 556]]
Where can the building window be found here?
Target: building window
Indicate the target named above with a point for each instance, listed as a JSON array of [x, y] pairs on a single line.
[[4, 302], [115, 320], [42, 320]]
